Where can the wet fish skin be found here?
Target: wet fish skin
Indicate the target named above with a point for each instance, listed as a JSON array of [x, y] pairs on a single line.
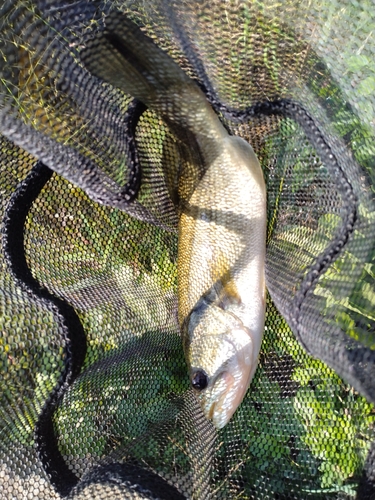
[[221, 290], [222, 225]]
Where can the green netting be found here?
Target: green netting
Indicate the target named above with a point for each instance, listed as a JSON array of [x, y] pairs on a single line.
[[95, 396]]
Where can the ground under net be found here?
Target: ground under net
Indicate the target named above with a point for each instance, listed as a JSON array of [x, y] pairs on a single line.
[[95, 399]]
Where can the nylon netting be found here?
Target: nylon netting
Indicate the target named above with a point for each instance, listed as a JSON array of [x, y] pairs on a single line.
[[95, 394]]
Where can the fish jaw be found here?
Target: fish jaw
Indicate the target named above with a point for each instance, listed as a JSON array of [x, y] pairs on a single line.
[[225, 393], [229, 367]]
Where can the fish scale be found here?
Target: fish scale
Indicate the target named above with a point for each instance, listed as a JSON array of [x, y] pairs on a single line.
[[221, 257]]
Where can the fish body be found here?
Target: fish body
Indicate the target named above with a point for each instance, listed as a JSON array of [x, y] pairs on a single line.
[[222, 224], [221, 284]]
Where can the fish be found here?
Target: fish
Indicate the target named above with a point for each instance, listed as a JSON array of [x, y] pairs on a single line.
[[221, 198], [221, 279]]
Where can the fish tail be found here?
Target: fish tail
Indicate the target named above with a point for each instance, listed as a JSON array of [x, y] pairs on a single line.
[[128, 59]]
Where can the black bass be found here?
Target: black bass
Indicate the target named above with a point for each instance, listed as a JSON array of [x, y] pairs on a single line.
[[222, 224]]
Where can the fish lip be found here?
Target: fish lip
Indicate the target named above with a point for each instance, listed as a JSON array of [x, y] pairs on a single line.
[[227, 389], [213, 410]]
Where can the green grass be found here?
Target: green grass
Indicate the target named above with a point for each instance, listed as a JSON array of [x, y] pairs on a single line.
[[100, 252]]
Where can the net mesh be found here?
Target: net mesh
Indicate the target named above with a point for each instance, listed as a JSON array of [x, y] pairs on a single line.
[[95, 399]]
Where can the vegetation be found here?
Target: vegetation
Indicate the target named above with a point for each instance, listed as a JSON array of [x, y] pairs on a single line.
[[301, 428]]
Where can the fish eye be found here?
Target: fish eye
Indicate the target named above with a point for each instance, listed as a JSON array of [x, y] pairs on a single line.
[[199, 380]]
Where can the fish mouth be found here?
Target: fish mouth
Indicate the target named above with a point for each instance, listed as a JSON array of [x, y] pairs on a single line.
[[221, 399], [226, 390], [217, 402]]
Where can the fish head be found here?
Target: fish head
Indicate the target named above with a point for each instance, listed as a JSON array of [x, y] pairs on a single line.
[[222, 360]]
